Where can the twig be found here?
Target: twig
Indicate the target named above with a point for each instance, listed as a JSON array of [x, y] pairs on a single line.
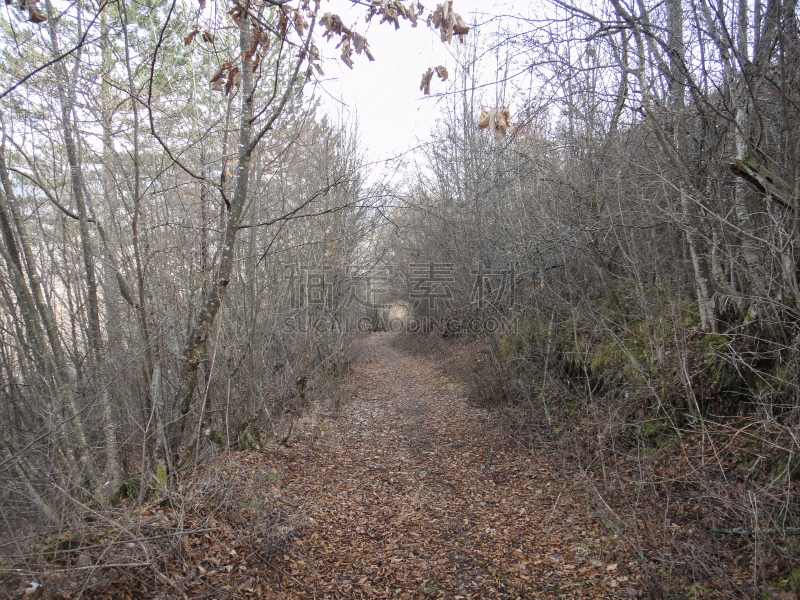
[[488, 460], [161, 577], [552, 512]]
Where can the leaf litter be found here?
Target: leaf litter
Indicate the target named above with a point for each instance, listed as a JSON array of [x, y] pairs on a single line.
[[408, 491]]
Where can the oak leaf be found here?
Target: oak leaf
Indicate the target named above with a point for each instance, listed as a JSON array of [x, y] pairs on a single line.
[[333, 25], [283, 21], [236, 14], [425, 86], [189, 38], [448, 22], [347, 53], [216, 78], [483, 122], [300, 24], [361, 44], [34, 14], [497, 121]]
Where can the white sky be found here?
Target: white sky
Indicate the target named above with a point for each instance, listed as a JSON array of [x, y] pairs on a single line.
[[393, 115]]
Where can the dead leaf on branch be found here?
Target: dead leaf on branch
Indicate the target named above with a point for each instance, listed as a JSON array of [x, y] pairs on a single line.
[[504, 121], [283, 21], [260, 46], [333, 26], [260, 38], [234, 79], [313, 59], [448, 22], [496, 121], [236, 14], [189, 38], [347, 53], [393, 10], [361, 44], [231, 75], [390, 16], [34, 14], [425, 86], [412, 13], [300, 24]]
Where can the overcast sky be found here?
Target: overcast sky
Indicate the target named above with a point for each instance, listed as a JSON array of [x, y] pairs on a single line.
[[393, 115]]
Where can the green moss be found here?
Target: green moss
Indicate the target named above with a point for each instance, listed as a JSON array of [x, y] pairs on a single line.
[[715, 342], [792, 582], [719, 365], [510, 345], [250, 438], [604, 357], [161, 476], [216, 437]]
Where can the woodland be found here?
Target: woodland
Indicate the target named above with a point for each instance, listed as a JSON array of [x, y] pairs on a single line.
[[183, 233]]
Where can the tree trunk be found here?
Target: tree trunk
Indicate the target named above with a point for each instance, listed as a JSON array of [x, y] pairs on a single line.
[[216, 293]]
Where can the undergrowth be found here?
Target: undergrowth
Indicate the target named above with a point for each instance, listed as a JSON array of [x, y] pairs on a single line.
[[687, 441]]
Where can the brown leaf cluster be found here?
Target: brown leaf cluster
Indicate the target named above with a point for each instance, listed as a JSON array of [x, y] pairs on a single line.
[[313, 60], [333, 25], [34, 14], [425, 86], [260, 46], [226, 78], [206, 36], [495, 120], [283, 20], [448, 22], [351, 41], [236, 14], [391, 11]]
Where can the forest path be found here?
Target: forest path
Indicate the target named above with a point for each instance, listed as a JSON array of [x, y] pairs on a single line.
[[411, 493]]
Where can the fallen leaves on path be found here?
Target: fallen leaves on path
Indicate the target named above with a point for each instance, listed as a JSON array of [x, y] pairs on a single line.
[[408, 492], [411, 493]]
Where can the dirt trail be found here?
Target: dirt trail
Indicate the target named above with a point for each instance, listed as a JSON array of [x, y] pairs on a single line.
[[411, 493]]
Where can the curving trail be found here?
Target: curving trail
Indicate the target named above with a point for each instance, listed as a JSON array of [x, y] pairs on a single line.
[[411, 493]]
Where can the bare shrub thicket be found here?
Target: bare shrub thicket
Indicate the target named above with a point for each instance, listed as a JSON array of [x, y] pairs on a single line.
[[645, 199], [168, 200]]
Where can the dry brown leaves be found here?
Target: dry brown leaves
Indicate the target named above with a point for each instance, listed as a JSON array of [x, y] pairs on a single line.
[[495, 120], [411, 493], [408, 493]]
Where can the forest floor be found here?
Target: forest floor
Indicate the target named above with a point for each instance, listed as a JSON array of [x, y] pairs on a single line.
[[405, 490], [413, 492], [410, 491]]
